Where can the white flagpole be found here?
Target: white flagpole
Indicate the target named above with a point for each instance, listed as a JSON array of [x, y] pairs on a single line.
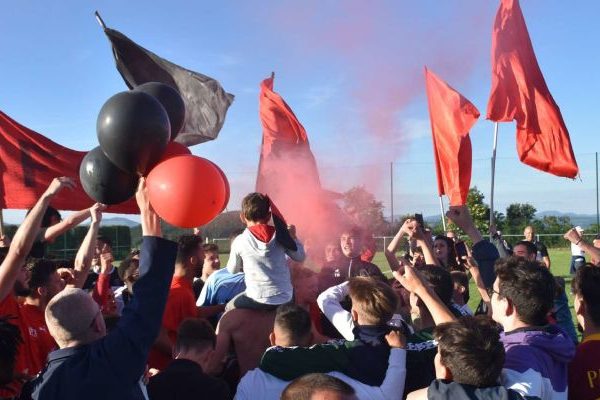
[[443, 214], [493, 174]]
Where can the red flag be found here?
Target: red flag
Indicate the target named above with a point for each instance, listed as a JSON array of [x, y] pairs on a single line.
[[519, 92], [285, 158], [452, 116], [29, 161]]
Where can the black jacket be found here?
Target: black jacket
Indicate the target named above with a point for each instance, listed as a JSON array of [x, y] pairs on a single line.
[[445, 390], [184, 379]]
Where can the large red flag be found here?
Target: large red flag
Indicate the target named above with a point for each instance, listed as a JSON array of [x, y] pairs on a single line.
[[288, 173], [519, 92], [452, 117], [285, 159], [29, 161]]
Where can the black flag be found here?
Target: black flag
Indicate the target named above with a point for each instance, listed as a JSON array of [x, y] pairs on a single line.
[[206, 102]]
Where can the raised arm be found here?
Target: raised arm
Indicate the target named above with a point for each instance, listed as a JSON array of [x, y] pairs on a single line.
[[71, 221], [83, 259], [329, 303], [126, 347], [413, 282], [484, 252], [424, 241], [390, 251], [574, 237], [25, 236]]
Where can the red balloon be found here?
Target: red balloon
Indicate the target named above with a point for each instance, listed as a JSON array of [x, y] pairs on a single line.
[[174, 149], [186, 191], [227, 188]]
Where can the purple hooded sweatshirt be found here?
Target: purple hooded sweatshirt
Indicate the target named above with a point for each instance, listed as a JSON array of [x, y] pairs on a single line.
[[536, 361]]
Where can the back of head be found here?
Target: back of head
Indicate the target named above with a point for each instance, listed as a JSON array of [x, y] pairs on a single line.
[[440, 281], [41, 270], [194, 335], [586, 284], [529, 246], [529, 286], [10, 338], [187, 247], [255, 207], [50, 217], [461, 279], [294, 323], [470, 348], [307, 386], [374, 299], [70, 316]]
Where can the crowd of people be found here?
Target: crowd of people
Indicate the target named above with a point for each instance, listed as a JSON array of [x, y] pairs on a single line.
[[281, 321]]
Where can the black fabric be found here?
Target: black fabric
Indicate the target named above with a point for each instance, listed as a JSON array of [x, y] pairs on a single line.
[[206, 102], [184, 379], [197, 286], [447, 390], [92, 277]]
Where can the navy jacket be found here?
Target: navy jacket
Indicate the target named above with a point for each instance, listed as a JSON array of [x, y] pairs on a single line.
[[111, 367]]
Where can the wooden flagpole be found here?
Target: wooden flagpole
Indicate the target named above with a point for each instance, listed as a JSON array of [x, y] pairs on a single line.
[[443, 214]]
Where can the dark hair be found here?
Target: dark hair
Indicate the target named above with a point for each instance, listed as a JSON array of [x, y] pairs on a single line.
[[354, 230], [41, 270], [304, 387], [450, 263], [461, 279], [375, 298], [586, 284], [104, 239], [187, 247], [50, 213], [10, 338], [470, 348], [210, 247], [295, 321], [440, 281], [530, 246], [195, 334], [127, 264], [529, 286], [255, 207]]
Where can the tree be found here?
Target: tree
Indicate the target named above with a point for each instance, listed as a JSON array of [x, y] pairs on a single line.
[[364, 210], [518, 216]]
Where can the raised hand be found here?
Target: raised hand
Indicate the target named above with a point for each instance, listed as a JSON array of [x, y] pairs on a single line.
[[96, 212], [396, 339], [58, 184]]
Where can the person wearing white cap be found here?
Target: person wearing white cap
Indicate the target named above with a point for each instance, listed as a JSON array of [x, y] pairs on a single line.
[[577, 254]]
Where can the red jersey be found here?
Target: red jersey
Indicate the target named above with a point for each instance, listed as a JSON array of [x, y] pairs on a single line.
[[584, 370], [37, 342], [181, 304]]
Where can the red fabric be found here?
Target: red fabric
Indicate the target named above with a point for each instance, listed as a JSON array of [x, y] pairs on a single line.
[[181, 304], [29, 161], [287, 169], [451, 116], [584, 371], [100, 292], [37, 342], [519, 92], [262, 232]]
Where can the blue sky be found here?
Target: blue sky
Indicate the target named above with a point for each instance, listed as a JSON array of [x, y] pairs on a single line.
[[351, 71]]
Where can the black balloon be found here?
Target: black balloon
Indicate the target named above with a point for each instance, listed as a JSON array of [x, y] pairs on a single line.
[[133, 130], [170, 100], [105, 182]]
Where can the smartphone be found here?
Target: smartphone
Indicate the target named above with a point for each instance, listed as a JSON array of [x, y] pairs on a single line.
[[419, 219], [461, 249]]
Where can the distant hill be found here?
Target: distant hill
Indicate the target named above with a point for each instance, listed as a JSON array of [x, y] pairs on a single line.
[[119, 221]]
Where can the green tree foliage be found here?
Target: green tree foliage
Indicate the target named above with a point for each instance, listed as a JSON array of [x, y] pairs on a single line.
[[365, 210], [518, 216]]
